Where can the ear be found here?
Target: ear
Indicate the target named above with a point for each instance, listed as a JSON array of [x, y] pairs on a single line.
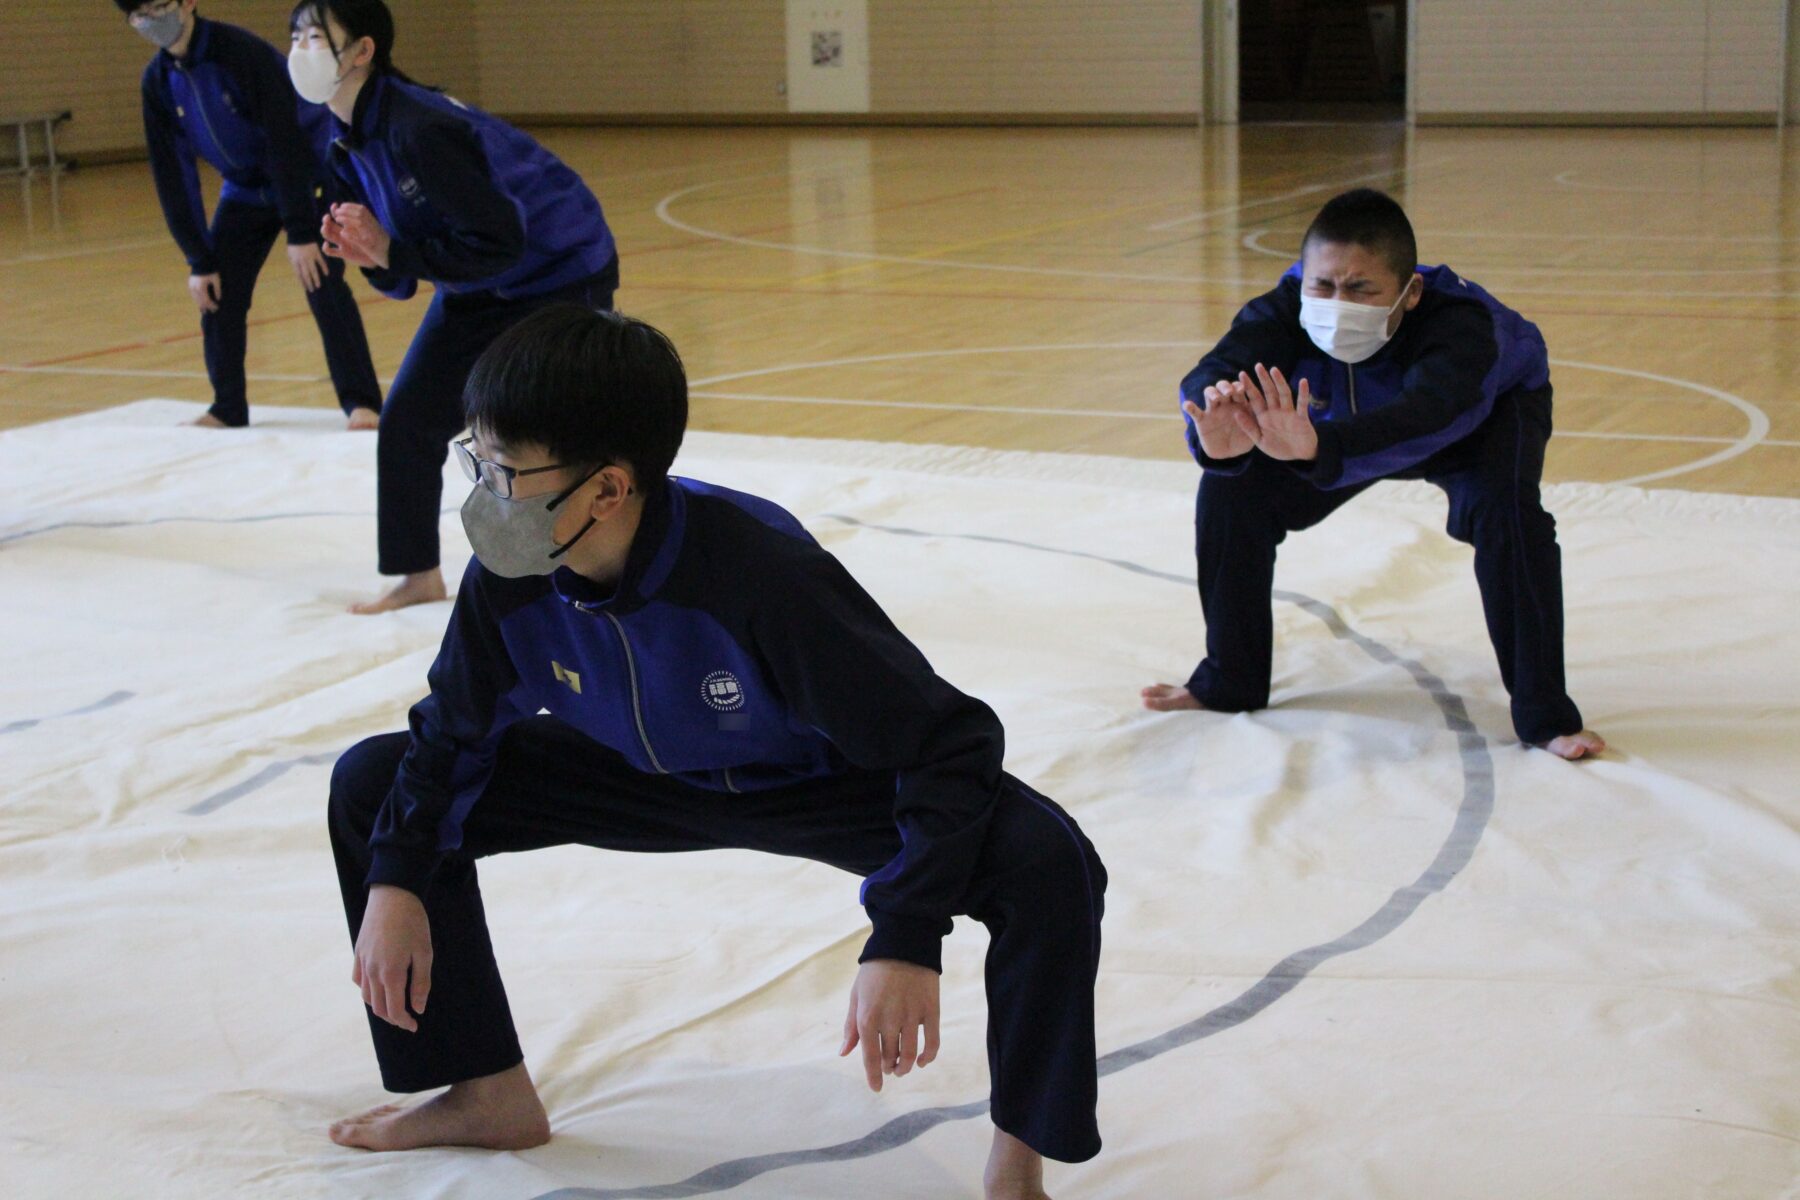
[[613, 486], [1415, 294], [365, 53]]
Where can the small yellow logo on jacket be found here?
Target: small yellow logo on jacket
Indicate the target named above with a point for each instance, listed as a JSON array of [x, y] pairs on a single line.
[[563, 675]]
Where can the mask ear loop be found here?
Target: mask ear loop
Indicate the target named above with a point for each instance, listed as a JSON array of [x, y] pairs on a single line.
[[592, 521]]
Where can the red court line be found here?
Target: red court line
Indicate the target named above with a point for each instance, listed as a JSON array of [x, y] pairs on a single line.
[[173, 338]]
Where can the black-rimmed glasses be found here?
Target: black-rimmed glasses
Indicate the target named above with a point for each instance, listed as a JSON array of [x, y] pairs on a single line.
[[495, 477]]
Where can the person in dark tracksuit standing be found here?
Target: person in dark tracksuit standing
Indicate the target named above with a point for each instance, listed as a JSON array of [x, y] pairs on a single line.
[[221, 93], [1402, 372], [647, 663], [434, 190]]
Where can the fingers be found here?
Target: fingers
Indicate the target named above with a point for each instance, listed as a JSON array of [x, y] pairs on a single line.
[[1276, 387], [850, 1038], [1304, 401], [909, 1049], [1247, 425], [393, 995], [1282, 391], [930, 1052], [421, 983], [871, 1054], [1253, 395], [1193, 410]]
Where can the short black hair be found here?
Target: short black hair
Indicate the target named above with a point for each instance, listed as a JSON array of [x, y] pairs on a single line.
[[130, 6], [1370, 219], [590, 387]]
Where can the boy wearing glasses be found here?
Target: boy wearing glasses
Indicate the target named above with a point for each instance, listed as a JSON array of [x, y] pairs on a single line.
[[647, 663], [221, 93]]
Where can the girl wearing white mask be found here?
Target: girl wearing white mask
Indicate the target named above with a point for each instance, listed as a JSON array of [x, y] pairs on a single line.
[[429, 189], [1360, 366]]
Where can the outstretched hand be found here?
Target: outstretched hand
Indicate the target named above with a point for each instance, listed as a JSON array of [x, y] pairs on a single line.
[[889, 1002], [1221, 424], [1282, 422]]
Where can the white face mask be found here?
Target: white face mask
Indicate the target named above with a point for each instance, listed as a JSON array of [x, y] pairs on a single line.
[[314, 70], [1348, 331]]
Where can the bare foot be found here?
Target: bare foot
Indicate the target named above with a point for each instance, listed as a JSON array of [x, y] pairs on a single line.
[[208, 421], [1014, 1171], [1166, 697], [495, 1112], [1586, 744], [363, 418], [421, 587]]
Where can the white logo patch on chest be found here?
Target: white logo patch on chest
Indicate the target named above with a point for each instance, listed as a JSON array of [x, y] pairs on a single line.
[[722, 692]]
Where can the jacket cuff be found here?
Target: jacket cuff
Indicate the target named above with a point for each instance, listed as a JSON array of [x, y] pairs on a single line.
[[404, 260], [1221, 466], [390, 284], [1327, 467], [203, 266], [409, 869], [917, 940]]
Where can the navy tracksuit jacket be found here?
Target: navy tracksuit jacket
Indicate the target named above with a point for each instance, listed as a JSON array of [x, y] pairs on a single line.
[[737, 688], [229, 101]]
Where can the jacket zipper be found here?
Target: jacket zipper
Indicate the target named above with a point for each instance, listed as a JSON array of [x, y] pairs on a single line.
[[637, 706], [1351, 371], [200, 107]]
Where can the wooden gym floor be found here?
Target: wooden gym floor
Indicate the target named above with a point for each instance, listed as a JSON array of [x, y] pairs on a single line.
[[1040, 289]]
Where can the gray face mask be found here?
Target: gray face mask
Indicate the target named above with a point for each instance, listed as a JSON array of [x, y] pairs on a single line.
[[163, 31], [516, 538]]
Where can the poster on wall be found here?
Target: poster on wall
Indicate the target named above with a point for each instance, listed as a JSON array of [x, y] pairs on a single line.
[[828, 56]]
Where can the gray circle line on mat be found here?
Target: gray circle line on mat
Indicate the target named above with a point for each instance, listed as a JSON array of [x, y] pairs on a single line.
[[1471, 821]]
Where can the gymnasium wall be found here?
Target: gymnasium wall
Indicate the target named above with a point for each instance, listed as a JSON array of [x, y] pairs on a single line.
[[927, 58], [1495, 60], [81, 55]]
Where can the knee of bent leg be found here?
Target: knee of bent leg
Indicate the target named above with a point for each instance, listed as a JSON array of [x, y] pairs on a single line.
[[1502, 514], [1050, 854], [361, 779]]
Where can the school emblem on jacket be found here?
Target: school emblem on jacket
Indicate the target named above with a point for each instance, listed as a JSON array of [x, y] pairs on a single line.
[[722, 691], [409, 187], [564, 675]]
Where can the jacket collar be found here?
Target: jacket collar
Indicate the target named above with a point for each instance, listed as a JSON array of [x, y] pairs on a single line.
[[652, 556]]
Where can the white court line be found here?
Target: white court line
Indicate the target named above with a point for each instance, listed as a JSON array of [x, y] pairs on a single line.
[[664, 215], [1755, 434], [1309, 190], [1253, 241], [1567, 179], [1170, 415]]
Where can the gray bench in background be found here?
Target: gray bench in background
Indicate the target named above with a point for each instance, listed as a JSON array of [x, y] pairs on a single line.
[[23, 122]]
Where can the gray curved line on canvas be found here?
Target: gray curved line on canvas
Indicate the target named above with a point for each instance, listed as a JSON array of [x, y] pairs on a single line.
[[21, 534], [261, 779], [96, 706], [1458, 848]]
